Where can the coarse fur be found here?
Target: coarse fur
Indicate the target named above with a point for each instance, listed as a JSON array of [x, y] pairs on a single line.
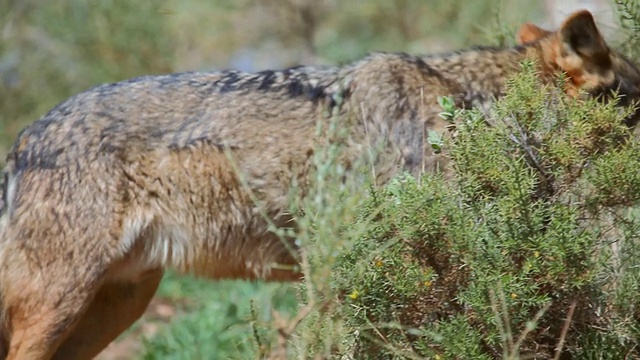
[[124, 180]]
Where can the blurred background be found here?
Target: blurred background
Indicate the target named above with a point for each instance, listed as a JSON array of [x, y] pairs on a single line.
[[50, 50]]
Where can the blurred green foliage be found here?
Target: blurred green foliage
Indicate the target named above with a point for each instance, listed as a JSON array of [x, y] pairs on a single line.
[[223, 320]]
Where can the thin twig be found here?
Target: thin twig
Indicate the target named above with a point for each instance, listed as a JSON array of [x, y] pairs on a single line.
[[565, 330]]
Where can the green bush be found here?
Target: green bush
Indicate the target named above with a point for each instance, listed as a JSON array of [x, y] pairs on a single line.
[[528, 238]]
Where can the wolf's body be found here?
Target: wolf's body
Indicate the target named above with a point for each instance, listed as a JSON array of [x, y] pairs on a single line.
[[122, 181]]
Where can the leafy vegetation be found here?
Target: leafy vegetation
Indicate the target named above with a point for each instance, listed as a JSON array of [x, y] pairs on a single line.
[[521, 254]]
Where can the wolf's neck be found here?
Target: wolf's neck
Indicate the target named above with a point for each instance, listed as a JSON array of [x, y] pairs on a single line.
[[479, 74]]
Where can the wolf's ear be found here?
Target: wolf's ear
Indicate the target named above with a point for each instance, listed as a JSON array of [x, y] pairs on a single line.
[[530, 32], [580, 51], [580, 36]]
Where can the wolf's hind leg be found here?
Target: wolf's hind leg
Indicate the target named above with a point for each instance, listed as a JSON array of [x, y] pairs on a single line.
[[43, 307], [114, 308]]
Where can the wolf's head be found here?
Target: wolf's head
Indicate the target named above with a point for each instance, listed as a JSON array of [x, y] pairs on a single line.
[[578, 49]]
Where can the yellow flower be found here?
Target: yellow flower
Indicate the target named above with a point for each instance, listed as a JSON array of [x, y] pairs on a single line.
[[379, 263], [427, 283], [514, 295], [536, 254], [354, 295]]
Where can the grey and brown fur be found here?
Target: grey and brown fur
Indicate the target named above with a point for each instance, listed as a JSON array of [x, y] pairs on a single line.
[[122, 181]]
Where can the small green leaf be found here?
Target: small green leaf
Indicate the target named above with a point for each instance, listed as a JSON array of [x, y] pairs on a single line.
[[435, 140]]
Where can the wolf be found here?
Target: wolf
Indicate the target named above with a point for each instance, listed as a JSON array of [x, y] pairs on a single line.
[[188, 171]]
